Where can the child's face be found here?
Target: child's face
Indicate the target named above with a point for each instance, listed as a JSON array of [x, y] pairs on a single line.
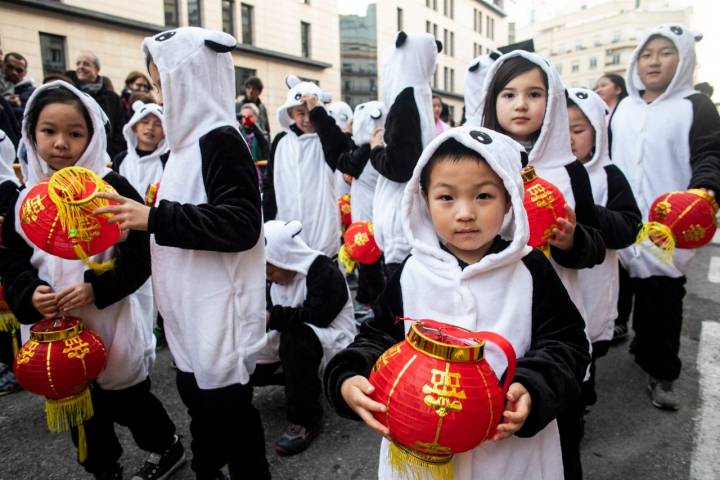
[[155, 78], [437, 107], [149, 133], [657, 63], [301, 116], [61, 135], [520, 106], [467, 203], [278, 275], [582, 135], [607, 90]]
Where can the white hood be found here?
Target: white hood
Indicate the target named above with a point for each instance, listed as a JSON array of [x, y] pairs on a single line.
[[503, 156], [7, 157], [298, 88], [143, 171], [682, 83], [197, 80], [285, 248], [142, 110], [475, 88], [341, 113], [368, 117]]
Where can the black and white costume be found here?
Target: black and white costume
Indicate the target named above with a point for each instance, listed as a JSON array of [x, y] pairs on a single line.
[[475, 88], [207, 246], [343, 116], [536, 316], [671, 143]]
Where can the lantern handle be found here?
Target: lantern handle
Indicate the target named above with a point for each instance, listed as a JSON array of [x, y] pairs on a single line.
[[507, 349]]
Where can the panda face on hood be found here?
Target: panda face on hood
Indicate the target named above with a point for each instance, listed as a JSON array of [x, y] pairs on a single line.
[[143, 110], [368, 116], [285, 248], [298, 89], [341, 113]]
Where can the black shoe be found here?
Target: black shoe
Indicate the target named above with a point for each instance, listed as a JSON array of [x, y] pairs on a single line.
[[296, 439], [620, 333], [115, 473], [160, 466], [8, 382]]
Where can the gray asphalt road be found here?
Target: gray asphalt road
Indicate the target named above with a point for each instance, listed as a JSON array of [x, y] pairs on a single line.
[[625, 436]]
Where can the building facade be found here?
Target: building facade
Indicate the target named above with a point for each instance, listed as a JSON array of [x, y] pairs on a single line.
[[277, 38]]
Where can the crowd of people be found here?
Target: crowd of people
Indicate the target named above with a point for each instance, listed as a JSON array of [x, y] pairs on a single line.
[[238, 264]]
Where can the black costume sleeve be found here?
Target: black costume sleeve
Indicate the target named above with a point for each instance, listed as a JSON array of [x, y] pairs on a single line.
[[374, 337], [553, 368], [116, 112], [705, 144], [231, 220], [334, 142], [132, 262], [620, 220], [262, 140], [117, 161], [268, 201], [588, 246], [353, 162], [326, 296], [403, 140]]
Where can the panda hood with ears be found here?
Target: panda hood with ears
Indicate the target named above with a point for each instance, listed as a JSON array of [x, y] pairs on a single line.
[[368, 116], [475, 88], [341, 113], [682, 82], [148, 169], [298, 88], [197, 81]]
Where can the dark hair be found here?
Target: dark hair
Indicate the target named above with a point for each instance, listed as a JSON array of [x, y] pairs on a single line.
[[511, 68], [619, 82], [142, 96], [134, 75], [254, 82], [56, 76], [16, 56], [449, 151], [55, 94], [706, 88]]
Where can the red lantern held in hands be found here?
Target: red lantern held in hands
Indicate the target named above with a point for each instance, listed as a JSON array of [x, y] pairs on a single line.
[[544, 204], [440, 394], [57, 216], [359, 246], [345, 210], [680, 220]]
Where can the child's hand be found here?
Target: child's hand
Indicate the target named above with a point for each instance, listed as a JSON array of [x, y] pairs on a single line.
[[310, 100], [76, 296], [348, 179], [517, 410], [45, 301], [377, 138], [130, 214], [563, 235], [355, 391]]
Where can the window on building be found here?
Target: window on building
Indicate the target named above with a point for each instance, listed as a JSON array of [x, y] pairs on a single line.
[[435, 30], [575, 66], [172, 17], [445, 7], [241, 76], [435, 79], [596, 41], [434, 5], [615, 59], [446, 79], [194, 17], [479, 22], [246, 17], [428, 26], [511, 32], [452, 79], [593, 63], [228, 16], [452, 44], [452, 8], [427, 3], [446, 42], [579, 45], [52, 52], [305, 39], [490, 27], [475, 27], [399, 19], [615, 37]]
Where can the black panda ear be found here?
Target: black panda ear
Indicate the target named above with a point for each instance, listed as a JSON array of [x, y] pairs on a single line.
[[474, 67], [219, 47], [401, 38], [439, 45], [524, 159]]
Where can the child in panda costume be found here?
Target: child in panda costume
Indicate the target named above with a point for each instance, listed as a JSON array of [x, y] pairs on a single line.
[[665, 137], [208, 259], [463, 279], [410, 125], [310, 320], [475, 88], [301, 181]]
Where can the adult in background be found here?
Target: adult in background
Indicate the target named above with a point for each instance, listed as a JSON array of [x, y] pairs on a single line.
[[253, 89], [87, 78], [257, 139], [611, 88], [15, 85], [135, 82]]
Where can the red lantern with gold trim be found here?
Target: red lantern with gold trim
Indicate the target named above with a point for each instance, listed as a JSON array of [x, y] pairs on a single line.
[[59, 361], [680, 220], [544, 204], [57, 216], [345, 210], [434, 384]]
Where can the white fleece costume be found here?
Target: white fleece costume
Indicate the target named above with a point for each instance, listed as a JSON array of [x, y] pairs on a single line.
[[343, 115], [213, 302], [286, 249], [7, 158], [126, 326], [305, 185], [368, 116], [475, 89]]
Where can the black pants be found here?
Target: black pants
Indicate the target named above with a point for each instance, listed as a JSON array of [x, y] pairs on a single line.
[[657, 321], [625, 297], [570, 426], [300, 357], [6, 348], [135, 408], [391, 268], [371, 282], [225, 428], [589, 393]]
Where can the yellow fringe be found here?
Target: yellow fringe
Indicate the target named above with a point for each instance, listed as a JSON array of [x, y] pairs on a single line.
[[8, 322], [662, 243], [68, 412], [344, 259], [97, 267], [411, 467], [82, 444]]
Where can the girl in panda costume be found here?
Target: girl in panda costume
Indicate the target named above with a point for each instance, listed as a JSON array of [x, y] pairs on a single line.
[[39, 285], [301, 181], [406, 75], [309, 321], [208, 259], [467, 181], [665, 137]]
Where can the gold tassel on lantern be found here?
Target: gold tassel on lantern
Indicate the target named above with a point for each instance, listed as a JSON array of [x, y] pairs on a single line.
[[346, 261], [661, 236], [65, 413], [418, 466]]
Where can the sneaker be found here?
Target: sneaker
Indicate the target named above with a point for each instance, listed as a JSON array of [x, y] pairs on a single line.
[[116, 473], [662, 395], [160, 466], [296, 439], [8, 383], [620, 333]]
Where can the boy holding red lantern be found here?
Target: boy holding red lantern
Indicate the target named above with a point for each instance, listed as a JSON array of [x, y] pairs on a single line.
[[665, 137], [463, 214]]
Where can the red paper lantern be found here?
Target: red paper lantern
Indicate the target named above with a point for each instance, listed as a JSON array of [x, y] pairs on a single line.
[[544, 204], [680, 220], [440, 394], [345, 210], [57, 216], [360, 243]]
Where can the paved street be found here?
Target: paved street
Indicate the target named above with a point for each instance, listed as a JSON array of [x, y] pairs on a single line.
[[626, 438]]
